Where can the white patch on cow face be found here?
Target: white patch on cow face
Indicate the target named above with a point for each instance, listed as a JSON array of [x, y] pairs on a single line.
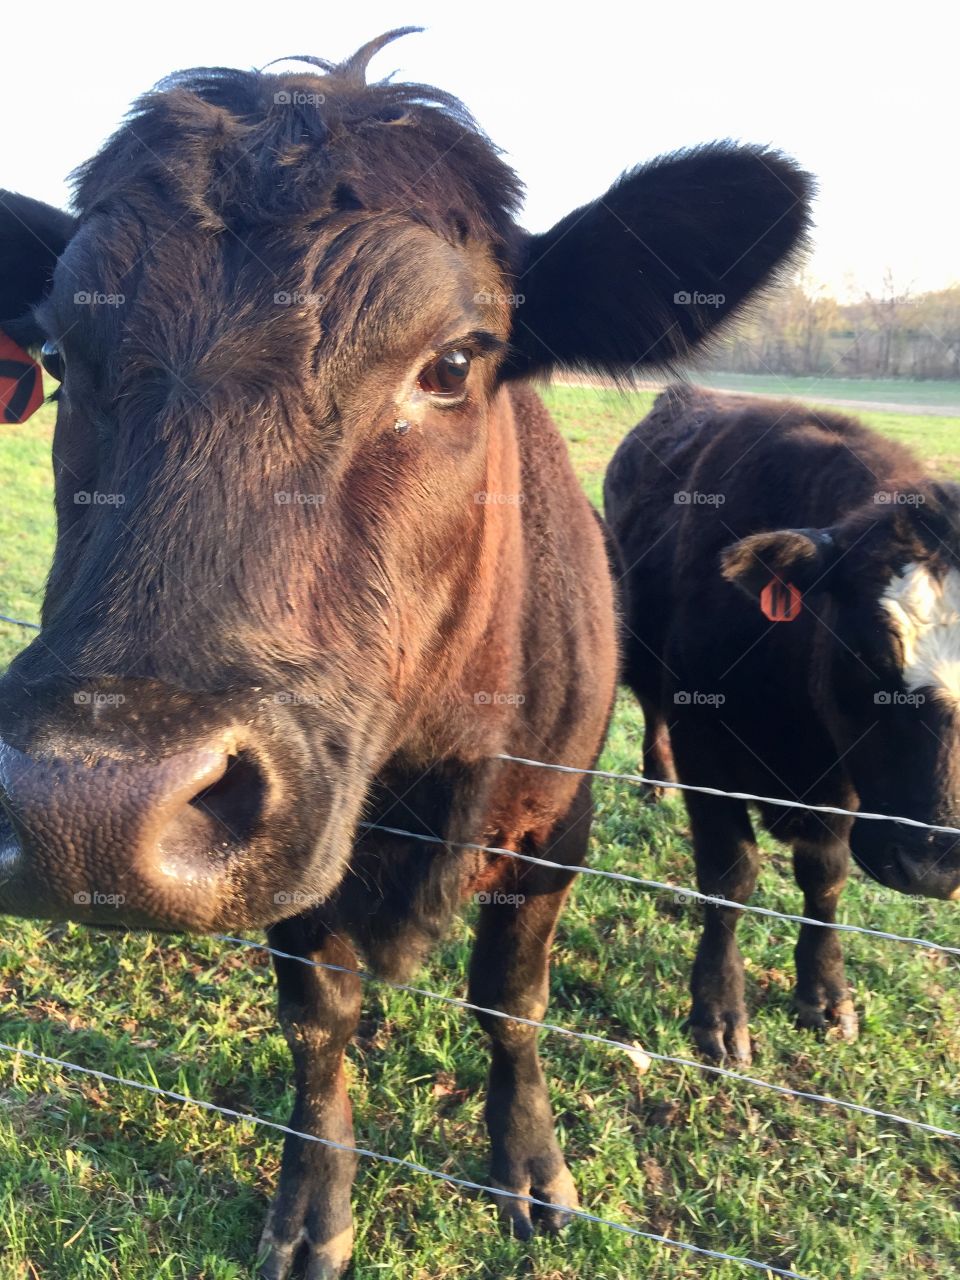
[[926, 616]]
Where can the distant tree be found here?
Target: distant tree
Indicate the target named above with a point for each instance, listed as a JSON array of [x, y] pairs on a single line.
[[815, 315], [886, 316], [936, 322], [801, 329]]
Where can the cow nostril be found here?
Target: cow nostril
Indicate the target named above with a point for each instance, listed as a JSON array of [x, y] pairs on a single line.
[[236, 800], [201, 833]]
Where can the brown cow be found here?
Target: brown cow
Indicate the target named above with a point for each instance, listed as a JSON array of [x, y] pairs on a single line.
[[321, 555], [852, 702]]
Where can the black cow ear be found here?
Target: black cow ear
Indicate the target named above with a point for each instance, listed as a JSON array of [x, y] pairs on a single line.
[[33, 235], [801, 557], [642, 276], [937, 508]]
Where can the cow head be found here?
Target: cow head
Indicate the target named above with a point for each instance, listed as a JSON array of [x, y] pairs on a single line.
[[283, 319], [882, 589]]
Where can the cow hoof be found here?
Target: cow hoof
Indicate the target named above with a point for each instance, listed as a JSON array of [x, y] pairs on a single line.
[[522, 1218], [730, 1043], [841, 1017], [846, 1021], [326, 1261]]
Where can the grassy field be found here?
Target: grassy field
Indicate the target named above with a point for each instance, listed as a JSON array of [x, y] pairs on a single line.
[[100, 1181]]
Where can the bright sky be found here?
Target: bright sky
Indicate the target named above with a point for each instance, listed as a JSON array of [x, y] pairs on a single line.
[[865, 95]]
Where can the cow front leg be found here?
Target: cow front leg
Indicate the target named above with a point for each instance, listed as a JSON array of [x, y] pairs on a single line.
[[726, 854], [509, 971], [822, 995], [319, 1010]]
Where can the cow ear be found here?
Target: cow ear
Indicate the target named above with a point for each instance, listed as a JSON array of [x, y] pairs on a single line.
[[936, 506], [33, 235], [800, 557], [644, 275]]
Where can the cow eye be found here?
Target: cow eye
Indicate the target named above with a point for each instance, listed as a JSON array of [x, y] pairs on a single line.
[[52, 360], [447, 375]]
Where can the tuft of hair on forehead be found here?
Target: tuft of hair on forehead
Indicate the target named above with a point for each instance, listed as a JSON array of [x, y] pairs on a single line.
[[251, 149]]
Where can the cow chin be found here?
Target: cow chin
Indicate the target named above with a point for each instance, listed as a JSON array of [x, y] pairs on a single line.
[[923, 866]]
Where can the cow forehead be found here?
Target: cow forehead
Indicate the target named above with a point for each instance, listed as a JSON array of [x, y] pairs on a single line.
[[924, 610], [359, 294]]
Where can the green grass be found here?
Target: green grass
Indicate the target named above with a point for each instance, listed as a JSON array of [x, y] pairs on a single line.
[[100, 1181], [26, 523]]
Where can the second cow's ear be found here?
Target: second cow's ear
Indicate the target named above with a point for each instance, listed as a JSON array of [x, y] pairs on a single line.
[[801, 557]]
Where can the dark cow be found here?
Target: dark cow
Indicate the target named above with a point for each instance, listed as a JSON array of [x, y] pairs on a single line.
[[321, 556], [850, 698]]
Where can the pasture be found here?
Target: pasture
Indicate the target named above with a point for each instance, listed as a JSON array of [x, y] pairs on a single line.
[[100, 1181]]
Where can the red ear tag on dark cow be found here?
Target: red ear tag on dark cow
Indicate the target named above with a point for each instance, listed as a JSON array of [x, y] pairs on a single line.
[[21, 387], [780, 601]]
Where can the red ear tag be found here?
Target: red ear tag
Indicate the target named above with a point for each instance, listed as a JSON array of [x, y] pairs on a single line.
[[21, 386], [780, 601]]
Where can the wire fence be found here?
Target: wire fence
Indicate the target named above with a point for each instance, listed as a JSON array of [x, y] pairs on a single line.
[[19, 622], [590, 1037], [680, 890], [732, 795], [622, 1046], [498, 1193]]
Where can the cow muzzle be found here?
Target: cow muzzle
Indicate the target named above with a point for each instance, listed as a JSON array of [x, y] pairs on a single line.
[[926, 866], [148, 844]]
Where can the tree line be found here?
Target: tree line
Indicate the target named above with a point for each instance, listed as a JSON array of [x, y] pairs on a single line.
[[801, 329]]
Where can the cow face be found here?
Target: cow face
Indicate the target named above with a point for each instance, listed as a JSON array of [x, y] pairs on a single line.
[[283, 320], [882, 591]]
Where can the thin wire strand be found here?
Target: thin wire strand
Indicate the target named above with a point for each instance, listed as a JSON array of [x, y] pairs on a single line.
[[693, 894], [498, 1193], [681, 786], [591, 1038], [710, 899], [19, 622], [730, 795]]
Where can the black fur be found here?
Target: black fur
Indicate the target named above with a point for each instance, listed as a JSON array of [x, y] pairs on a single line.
[[33, 235], [601, 286]]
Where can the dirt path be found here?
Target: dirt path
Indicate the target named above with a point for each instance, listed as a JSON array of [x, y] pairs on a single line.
[[876, 406]]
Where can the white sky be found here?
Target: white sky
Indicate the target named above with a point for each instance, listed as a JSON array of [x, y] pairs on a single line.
[[865, 95]]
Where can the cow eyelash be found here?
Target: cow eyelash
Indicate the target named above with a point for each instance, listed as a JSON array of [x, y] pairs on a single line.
[[478, 343]]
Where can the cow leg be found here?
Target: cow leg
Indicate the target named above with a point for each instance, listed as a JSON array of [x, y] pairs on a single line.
[[726, 854], [657, 752], [509, 971], [319, 1011], [822, 994]]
